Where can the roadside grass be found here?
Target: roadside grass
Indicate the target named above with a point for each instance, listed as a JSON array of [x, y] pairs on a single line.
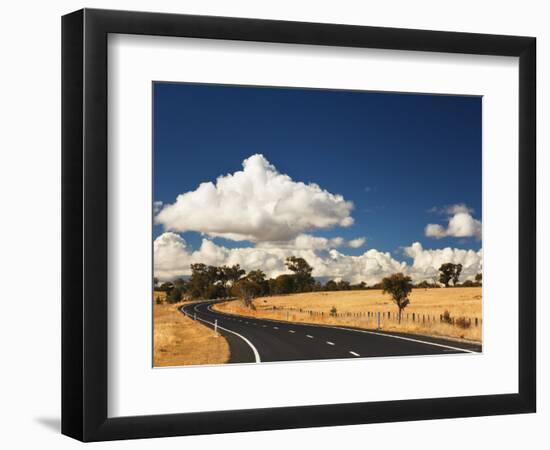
[[181, 341], [460, 302]]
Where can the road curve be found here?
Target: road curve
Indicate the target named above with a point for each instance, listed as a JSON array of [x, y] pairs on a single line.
[[264, 340]]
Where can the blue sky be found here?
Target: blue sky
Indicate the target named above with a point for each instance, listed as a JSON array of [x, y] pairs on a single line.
[[397, 157]]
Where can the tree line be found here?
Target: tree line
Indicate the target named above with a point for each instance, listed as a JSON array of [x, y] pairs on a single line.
[[209, 282]]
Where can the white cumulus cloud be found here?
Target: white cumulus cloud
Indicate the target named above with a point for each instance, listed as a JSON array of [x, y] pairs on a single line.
[[309, 242], [258, 204], [356, 243], [305, 242], [426, 262], [172, 259], [461, 224]]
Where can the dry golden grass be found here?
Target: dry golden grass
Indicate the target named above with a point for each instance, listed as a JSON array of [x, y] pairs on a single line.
[[180, 341], [460, 302]]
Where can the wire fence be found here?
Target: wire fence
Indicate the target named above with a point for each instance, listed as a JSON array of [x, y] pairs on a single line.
[[385, 316]]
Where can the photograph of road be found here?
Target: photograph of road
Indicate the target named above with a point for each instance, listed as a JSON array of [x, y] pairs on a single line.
[[295, 224], [286, 341]]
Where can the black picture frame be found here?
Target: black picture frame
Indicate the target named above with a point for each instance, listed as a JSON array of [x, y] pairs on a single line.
[[84, 224]]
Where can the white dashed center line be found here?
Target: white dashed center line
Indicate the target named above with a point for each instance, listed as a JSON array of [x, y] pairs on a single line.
[[309, 336], [355, 354], [275, 328], [291, 331], [330, 343]]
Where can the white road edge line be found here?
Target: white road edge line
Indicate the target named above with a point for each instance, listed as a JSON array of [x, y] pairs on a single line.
[[406, 339], [410, 339], [384, 335], [254, 350], [355, 354], [330, 343]]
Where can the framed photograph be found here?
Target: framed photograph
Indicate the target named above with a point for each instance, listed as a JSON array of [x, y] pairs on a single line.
[[315, 224]]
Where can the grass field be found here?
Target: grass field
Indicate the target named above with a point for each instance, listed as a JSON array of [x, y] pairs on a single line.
[[180, 341], [460, 302]]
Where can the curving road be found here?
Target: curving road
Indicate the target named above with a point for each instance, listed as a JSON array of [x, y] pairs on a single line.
[[264, 340]]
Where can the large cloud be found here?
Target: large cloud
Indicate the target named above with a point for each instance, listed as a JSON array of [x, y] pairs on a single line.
[[461, 224], [257, 204], [173, 257]]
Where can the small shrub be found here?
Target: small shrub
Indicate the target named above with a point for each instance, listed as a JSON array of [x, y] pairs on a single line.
[[248, 303], [463, 322], [158, 301], [447, 317], [333, 311], [175, 296]]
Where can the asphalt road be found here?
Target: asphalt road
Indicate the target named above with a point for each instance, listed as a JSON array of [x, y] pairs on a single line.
[[264, 340]]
